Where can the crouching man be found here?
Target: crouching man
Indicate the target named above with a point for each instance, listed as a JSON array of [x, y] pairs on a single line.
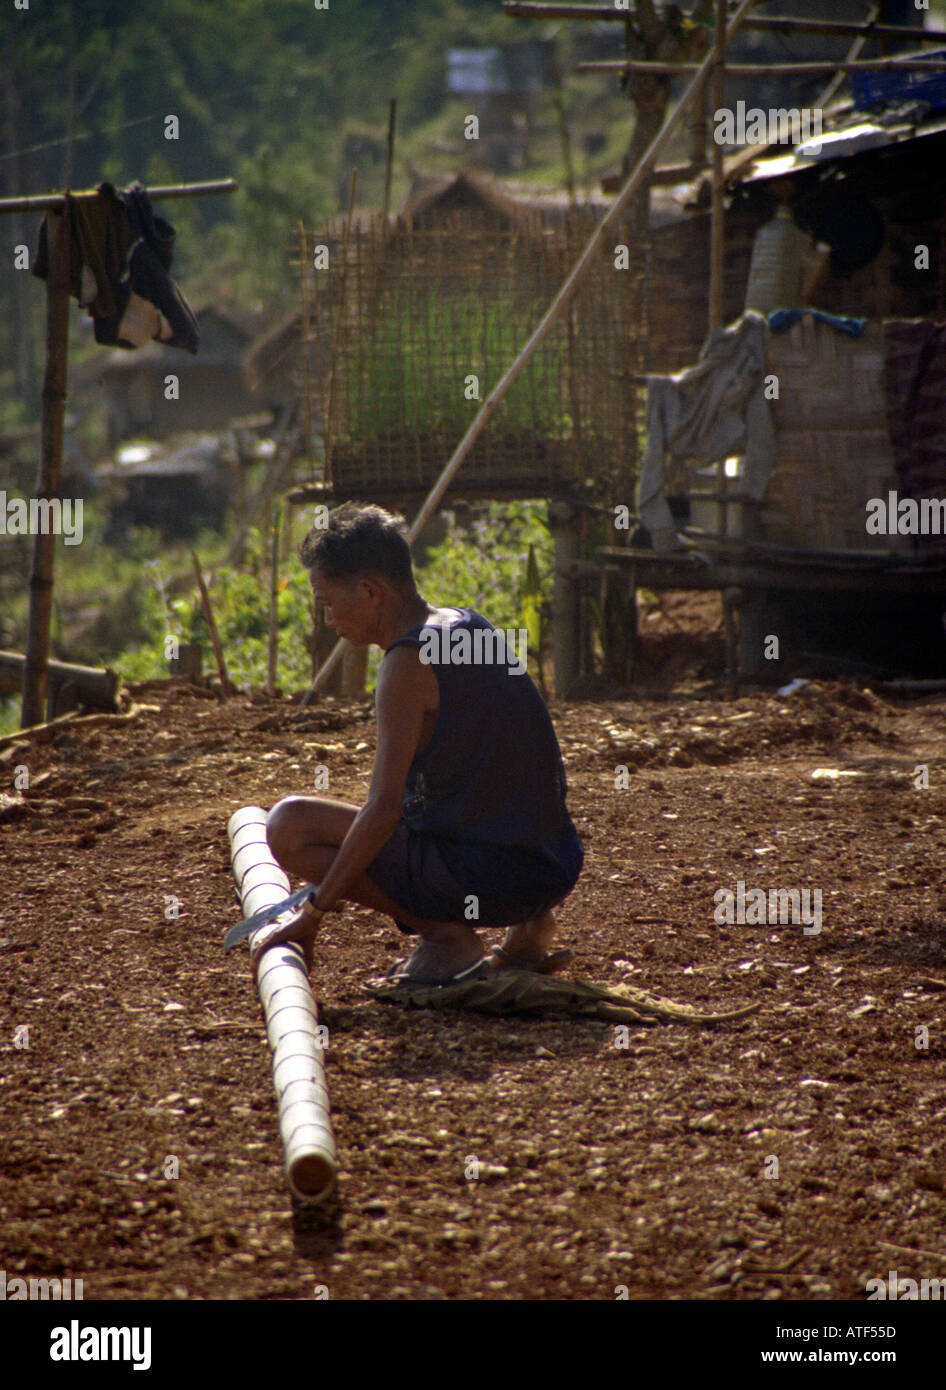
[[465, 824]]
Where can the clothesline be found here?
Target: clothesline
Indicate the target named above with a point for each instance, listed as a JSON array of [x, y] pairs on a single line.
[[53, 202]]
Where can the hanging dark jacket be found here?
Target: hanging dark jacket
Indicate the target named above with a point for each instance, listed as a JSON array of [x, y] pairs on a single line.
[[120, 256]]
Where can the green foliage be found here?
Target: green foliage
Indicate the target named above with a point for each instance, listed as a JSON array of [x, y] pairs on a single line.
[[532, 600], [404, 378], [488, 568], [240, 601], [9, 713]]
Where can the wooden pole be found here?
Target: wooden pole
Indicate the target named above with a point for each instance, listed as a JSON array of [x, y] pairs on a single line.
[[273, 608], [49, 481], [211, 624], [389, 165], [305, 339], [291, 1018], [717, 228], [336, 329], [620, 65], [566, 607], [718, 221], [526, 9], [597, 241], [564, 134], [55, 202]]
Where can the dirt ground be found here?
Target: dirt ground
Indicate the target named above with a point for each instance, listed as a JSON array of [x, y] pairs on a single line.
[[650, 1166]]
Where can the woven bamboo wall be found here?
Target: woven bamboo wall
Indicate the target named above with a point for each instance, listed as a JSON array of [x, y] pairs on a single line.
[[414, 311], [834, 450], [676, 296]]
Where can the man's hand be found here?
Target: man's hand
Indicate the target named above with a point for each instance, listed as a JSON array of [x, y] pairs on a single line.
[[301, 928], [251, 924]]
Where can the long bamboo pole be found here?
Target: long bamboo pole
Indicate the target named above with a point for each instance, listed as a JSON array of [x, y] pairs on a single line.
[[273, 608], [329, 397], [55, 202], [49, 481], [305, 339], [291, 1018], [718, 221], [777, 24], [555, 309], [620, 65], [389, 163], [718, 207]]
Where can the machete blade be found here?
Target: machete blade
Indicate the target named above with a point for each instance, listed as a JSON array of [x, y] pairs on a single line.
[[266, 914]]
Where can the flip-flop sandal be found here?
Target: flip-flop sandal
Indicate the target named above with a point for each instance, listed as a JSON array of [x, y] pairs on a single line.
[[548, 965], [395, 976]]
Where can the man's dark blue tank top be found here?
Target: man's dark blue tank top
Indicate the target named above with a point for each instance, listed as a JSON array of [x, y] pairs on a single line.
[[492, 772]]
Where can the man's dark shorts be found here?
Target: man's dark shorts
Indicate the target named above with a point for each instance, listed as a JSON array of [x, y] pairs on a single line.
[[433, 878]]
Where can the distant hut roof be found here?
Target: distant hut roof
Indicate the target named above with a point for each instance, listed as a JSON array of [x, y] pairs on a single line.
[[451, 193], [273, 349]]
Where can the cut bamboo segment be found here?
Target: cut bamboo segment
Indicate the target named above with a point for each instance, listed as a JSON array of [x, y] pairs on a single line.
[[291, 1018]]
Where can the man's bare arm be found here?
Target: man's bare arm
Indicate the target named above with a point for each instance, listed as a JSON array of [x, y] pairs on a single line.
[[407, 690]]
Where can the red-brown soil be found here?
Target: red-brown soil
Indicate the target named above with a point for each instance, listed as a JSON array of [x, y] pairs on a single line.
[[601, 1166]]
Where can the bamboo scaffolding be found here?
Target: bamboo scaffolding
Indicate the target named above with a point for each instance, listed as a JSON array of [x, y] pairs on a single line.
[[837, 80], [777, 24], [593, 247], [291, 1018]]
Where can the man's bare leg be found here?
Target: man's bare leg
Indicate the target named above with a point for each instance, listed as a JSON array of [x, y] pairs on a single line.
[[304, 834], [527, 943]]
